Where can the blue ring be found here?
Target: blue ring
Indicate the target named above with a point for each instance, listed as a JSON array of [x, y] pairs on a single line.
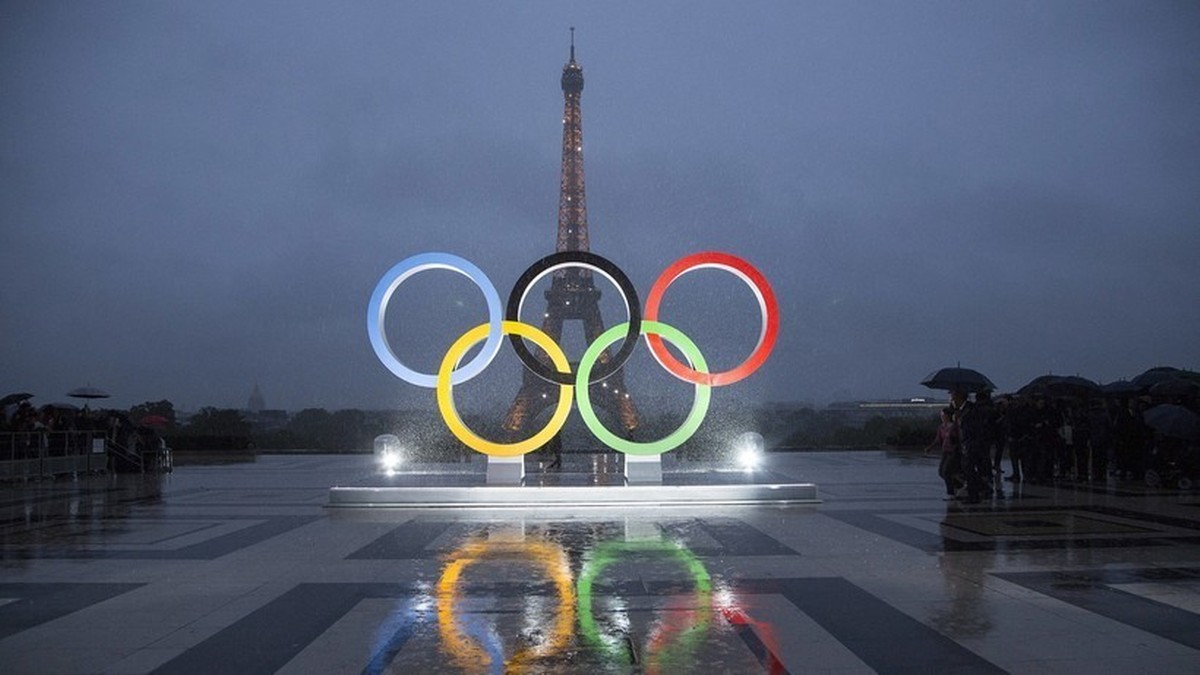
[[377, 310]]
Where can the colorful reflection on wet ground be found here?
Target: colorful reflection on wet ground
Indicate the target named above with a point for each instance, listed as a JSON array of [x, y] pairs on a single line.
[[242, 568]]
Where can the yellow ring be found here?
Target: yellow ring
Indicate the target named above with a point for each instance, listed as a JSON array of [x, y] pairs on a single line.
[[445, 393]]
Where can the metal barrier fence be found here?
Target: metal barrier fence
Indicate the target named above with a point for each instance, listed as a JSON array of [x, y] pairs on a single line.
[[39, 454]]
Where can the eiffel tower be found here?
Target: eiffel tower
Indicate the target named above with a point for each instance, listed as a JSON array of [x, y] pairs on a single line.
[[572, 295]]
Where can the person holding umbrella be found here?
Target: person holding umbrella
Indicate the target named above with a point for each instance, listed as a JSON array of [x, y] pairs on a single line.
[[1176, 431], [88, 393], [976, 434], [1130, 436], [13, 400], [7, 420], [1018, 427], [975, 426]]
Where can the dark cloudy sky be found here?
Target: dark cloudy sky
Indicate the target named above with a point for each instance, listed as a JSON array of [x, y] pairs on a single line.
[[199, 196]]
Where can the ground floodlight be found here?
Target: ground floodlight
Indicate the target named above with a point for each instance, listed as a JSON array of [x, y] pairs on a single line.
[[748, 450], [388, 453]]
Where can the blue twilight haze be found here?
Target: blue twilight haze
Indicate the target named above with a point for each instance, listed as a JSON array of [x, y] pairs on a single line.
[[199, 196]]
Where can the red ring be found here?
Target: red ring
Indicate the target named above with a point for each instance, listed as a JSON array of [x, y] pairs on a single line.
[[766, 303]]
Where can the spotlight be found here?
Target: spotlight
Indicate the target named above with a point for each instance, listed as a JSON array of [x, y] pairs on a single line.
[[748, 451], [390, 460], [388, 453], [748, 459]]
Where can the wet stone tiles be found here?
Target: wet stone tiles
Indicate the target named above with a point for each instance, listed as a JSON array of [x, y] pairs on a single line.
[[240, 568]]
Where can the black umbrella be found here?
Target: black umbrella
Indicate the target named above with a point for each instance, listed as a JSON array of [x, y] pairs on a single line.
[[1120, 388], [1154, 376], [14, 398], [1189, 375], [958, 379], [1039, 386], [1174, 421], [61, 406], [1176, 386], [1073, 386], [88, 392]]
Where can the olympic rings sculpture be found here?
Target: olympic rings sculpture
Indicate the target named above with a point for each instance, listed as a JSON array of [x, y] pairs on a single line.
[[572, 385]]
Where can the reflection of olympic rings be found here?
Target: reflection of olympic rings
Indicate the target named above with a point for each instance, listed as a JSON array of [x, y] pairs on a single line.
[[500, 324], [606, 554], [763, 631], [673, 638], [596, 263], [552, 560]]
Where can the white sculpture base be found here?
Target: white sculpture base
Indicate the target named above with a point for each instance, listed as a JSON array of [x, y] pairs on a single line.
[[505, 470], [643, 469]]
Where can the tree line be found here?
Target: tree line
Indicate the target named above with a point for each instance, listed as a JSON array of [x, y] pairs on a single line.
[[798, 428]]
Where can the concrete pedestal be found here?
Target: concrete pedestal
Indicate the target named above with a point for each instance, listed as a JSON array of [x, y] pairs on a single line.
[[560, 497], [643, 469], [505, 470]]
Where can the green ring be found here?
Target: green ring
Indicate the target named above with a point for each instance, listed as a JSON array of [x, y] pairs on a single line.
[[609, 552], [676, 438]]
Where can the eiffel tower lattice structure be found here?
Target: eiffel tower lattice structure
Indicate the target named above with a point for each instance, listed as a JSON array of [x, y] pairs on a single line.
[[572, 295]]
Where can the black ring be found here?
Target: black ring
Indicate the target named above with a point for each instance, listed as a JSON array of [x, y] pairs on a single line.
[[575, 259]]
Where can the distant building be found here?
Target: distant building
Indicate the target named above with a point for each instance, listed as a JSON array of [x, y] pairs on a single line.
[[256, 404], [259, 417], [858, 413]]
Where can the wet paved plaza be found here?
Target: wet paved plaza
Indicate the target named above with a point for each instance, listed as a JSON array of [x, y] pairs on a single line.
[[242, 568]]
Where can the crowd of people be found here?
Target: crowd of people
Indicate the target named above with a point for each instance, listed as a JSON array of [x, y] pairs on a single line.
[[27, 418], [37, 430], [1049, 440]]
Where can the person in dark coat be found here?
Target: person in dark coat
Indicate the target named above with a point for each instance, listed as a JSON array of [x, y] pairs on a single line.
[[1126, 440], [1002, 409], [976, 429], [1018, 428], [1045, 439]]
